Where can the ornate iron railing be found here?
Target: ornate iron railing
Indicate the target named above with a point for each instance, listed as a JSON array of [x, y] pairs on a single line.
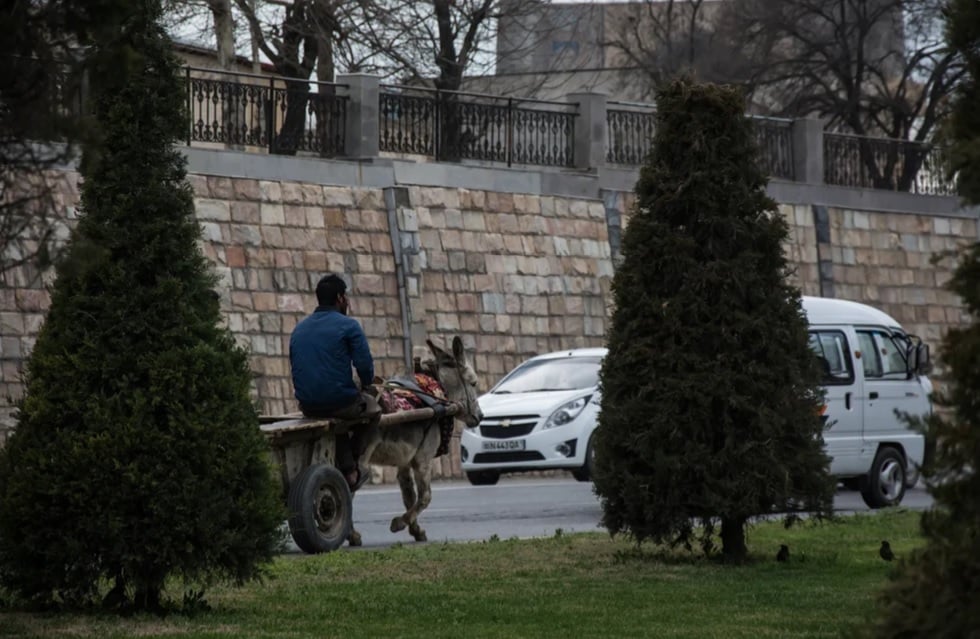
[[453, 126], [883, 163], [629, 132], [775, 139], [46, 99], [282, 115], [630, 135]]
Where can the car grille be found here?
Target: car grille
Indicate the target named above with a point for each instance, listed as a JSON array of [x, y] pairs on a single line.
[[507, 427], [509, 456]]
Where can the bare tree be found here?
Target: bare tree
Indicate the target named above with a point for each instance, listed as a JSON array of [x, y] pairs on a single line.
[[297, 37], [427, 42], [224, 30], [868, 67], [436, 44], [661, 39], [207, 20]]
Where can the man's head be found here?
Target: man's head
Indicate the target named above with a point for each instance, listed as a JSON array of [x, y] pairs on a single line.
[[331, 290]]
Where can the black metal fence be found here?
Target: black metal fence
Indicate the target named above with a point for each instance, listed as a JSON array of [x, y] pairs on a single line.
[[775, 139], [287, 116], [629, 132], [889, 164], [280, 115], [630, 129], [42, 100], [452, 126]]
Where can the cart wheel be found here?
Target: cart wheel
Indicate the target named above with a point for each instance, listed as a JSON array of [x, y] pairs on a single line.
[[320, 512]]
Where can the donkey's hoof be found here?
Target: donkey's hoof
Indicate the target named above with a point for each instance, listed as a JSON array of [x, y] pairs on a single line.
[[354, 539], [397, 524], [418, 533]]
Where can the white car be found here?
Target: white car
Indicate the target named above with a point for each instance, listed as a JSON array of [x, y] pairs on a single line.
[[540, 416]]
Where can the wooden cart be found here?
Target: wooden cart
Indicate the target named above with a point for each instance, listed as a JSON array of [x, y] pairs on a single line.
[[316, 494]]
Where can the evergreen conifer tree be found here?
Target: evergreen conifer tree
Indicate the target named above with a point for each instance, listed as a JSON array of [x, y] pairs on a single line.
[[963, 128], [710, 394], [935, 592], [137, 455]]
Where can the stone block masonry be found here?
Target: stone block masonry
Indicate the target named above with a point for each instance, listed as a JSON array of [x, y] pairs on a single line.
[[512, 276], [515, 262]]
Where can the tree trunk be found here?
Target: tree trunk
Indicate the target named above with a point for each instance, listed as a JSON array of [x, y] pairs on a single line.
[[290, 137], [914, 157], [293, 102], [224, 31], [255, 36], [328, 125], [450, 128], [733, 548], [450, 78]]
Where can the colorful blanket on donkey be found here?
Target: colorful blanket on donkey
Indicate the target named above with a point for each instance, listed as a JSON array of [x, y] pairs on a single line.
[[394, 399]]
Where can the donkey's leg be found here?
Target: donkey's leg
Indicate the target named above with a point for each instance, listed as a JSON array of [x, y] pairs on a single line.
[[423, 483], [408, 498], [371, 439], [354, 538]]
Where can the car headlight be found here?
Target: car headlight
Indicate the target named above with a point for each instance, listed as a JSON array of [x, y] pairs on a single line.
[[567, 412]]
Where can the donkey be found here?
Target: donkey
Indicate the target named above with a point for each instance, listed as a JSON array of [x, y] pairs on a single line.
[[411, 446]]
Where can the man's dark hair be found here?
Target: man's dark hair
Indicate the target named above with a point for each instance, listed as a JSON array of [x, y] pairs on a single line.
[[329, 288]]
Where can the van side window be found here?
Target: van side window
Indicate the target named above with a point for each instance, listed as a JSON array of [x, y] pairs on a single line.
[[883, 357], [834, 355]]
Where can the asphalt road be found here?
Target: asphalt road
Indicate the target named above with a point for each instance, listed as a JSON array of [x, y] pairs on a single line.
[[515, 507]]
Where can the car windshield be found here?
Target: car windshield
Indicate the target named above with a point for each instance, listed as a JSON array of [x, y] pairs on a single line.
[[563, 374]]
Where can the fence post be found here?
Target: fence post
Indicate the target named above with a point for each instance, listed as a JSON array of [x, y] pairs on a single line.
[[590, 131], [190, 107], [808, 150], [362, 130], [509, 134], [270, 115]]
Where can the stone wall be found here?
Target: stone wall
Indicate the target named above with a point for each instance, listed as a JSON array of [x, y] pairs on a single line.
[[513, 274], [886, 260], [513, 266]]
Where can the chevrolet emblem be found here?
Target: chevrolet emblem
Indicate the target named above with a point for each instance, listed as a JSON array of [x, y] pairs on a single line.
[[505, 423]]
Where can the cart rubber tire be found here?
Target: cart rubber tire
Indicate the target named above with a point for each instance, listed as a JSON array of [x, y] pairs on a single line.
[[884, 485], [320, 510], [483, 477]]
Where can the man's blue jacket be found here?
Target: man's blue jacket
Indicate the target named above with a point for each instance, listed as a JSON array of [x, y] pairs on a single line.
[[321, 350]]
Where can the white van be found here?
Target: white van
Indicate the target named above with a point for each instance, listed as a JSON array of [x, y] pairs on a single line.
[[873, 370]]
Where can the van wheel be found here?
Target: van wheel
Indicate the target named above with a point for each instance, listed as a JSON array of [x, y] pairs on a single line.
[[884, 485], [483, 477], [912, 475]]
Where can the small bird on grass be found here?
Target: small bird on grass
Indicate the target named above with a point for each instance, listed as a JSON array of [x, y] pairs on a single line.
[[783, 554], [886, 551]]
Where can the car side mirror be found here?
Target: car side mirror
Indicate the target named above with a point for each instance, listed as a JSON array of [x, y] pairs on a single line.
[[922, 359], [912, 358], [917, 358]]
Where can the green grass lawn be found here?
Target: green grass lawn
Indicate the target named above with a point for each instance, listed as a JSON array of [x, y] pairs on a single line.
[[567, 586]]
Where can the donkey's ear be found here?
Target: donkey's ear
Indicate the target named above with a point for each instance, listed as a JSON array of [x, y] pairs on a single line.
[[458, 351], [436, 351]]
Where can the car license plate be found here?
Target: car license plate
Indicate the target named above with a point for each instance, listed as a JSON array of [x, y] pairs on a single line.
[[504, 444]]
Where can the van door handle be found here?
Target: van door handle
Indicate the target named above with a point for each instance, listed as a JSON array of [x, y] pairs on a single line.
[[847, 401], [873, 395]]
